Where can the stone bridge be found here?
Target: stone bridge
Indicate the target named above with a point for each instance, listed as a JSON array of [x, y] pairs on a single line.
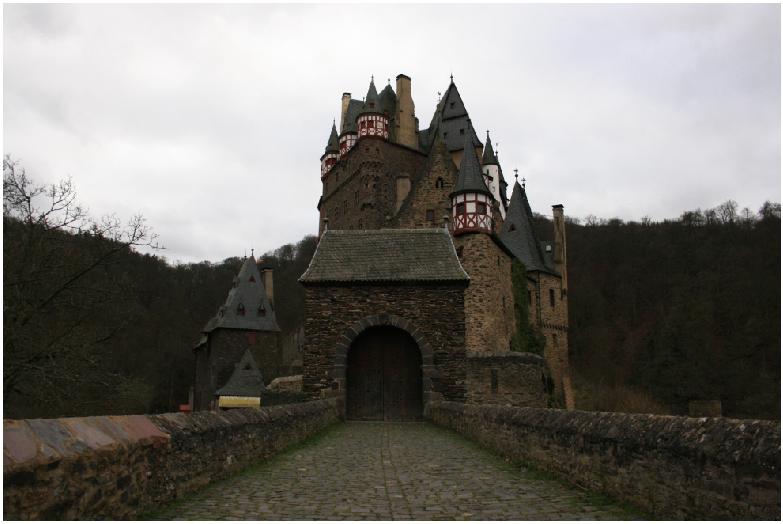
[[465, 462]]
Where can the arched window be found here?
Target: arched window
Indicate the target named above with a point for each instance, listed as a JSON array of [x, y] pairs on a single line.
[[439, 183], [241, 309], [261, 310]]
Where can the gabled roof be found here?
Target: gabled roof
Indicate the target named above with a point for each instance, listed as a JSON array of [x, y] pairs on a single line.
[[385, 255], [451, 122], [245, 381], [519, 235], [470, 178], [489, 157], [248, 291], [333, 145]]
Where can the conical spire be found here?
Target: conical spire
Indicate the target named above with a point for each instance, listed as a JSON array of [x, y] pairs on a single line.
[[518, 233], [333, 145], [372, 103], [470, 178], [246, 306], [489, 156]]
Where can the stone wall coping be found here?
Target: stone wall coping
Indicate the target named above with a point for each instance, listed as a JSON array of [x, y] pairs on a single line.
[[516, 356], [734, 441]]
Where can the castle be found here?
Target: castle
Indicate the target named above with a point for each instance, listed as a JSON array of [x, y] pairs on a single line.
[[409, 295]]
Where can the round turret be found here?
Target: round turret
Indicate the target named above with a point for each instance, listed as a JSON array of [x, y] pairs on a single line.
[[331, 153], [371, 120], [471, 200]]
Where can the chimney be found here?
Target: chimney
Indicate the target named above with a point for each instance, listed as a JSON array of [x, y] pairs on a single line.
[[559, 255], [406, 113], [269, 286], [344, 111]]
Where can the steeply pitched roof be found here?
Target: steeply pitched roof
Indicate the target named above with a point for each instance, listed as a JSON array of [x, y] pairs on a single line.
[[451, 120], [248, 291], [333, 145], [388, 100], [354, 108], [245, 381], [489, 157], [519, 235], [385, 255], [470, 178], [372, 104]]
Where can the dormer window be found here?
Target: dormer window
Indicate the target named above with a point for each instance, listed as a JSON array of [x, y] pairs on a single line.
[[252, 278], [261, 311], [462, 131], [451, 105], [241, 309]]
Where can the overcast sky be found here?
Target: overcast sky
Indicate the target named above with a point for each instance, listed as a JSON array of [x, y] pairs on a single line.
[[210, 120]]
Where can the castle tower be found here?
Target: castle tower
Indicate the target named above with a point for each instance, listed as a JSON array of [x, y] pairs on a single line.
[[371, 120], [348, 133], [559, 255], [332, 152], [491, 168], [471, 200], [405, 117]]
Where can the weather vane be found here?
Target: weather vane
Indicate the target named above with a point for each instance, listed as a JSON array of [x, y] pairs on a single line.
[[516, 173]]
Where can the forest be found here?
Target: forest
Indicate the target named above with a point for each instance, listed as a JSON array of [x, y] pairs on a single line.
[[661, 313]]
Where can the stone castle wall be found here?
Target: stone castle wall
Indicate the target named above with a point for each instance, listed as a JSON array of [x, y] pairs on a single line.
[[489, 302], [510, 379], [552, 321], [672, 467], [360, 192], [96, 468], [435, 312]]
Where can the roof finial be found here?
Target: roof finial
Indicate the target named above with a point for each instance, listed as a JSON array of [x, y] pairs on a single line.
[[516, 173], [452, 77], [438, 96], [252, 252], [372, 79], [388, 81], [245, 255]]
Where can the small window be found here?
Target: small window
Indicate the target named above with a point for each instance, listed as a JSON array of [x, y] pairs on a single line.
[[261, 311], [494, 380], [461, 208], [462, 131], [481, 208], [439, 183], [252, 278], [552, 297], [504, 303], [529, 298], [241, 310], [512, 227], [356, 197], [498, 261], [451, 105], [445, 134], [430, 215]]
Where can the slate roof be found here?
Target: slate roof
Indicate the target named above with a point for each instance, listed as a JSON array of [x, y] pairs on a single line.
[[519, 235], [245, 381], [489, 157], [248, 290], [372, 103], [388, 100], [448, 121], [333, 145], [470, 178], [385, 255], [354, 108]]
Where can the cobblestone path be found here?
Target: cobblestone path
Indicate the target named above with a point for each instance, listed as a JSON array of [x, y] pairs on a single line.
[[411, 471]]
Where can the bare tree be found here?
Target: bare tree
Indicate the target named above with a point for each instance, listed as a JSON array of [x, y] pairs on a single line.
[[57, 262]]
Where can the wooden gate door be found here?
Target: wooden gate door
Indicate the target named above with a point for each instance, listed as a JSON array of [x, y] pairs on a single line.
[[384, 376]]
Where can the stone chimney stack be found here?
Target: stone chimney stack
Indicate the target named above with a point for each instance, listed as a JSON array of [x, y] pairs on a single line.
[[269, 286], [406, 114], [559, 255], [344, 111]]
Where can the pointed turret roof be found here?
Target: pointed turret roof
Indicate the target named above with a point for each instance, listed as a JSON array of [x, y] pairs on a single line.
[[333, 145], [372, 103], [388, 100], [519, 235], [247, 291], [245, 381], [453, 106], [451, 120], [470, 178], [489, 157]]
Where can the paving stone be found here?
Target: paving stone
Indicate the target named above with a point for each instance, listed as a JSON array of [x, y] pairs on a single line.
[[383, 471]]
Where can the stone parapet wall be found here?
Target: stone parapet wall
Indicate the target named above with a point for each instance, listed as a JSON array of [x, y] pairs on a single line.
[[120, 467], [672, 467], [508, 379]]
